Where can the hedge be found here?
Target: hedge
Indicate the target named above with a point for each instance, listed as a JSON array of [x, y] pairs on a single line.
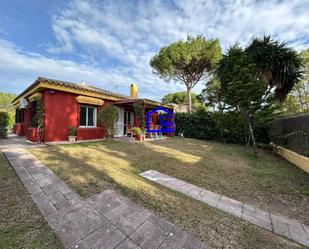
[[226, 127], [4, 123]]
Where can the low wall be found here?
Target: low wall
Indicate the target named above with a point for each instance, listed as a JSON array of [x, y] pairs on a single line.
[[299, 160], [32, 134], [89, 133], [19, 129]]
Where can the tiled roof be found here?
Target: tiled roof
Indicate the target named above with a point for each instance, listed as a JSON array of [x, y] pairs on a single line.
[[85, 87]]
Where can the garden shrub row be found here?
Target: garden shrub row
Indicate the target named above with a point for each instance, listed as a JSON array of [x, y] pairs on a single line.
[[4, 123], [226, 127]]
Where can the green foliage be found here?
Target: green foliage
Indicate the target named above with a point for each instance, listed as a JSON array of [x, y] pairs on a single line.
[[6, 105], [181, 98], [187, 61], [240, 84], [211, 95], [140, 113], [4, 122], [107, 118], [280, 67], [136, 131], [72, 130], [227, 127], [297, 102]]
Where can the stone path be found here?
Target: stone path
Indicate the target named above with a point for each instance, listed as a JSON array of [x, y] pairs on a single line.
[[288, 228], [106, 220]]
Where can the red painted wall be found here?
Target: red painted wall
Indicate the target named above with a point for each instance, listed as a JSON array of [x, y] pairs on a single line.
[[19, 129], [62, 111], [32, 134]]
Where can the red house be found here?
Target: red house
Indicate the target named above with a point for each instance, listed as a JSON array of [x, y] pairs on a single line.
[[61, 105]]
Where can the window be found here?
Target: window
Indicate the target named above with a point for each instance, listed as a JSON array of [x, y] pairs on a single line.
[[87, 116], [19, 115], [33, 116]]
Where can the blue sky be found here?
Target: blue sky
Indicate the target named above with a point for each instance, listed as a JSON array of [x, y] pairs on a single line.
[[109, 43]]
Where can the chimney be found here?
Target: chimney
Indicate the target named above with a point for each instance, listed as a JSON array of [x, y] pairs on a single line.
[[133, 91]]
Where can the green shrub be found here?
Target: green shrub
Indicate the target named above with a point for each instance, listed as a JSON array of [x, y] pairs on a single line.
[[72, 131], [107, 117], [228, 127], [4, 123], [136, 131]]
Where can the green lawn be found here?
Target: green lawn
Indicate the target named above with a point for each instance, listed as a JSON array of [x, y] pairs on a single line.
[[267, 181], [21, 224]]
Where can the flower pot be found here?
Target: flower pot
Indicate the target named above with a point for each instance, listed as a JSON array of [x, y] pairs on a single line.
[[140, 138], [72, 138]]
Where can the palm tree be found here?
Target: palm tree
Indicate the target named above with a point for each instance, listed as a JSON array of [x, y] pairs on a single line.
[[280, 66]]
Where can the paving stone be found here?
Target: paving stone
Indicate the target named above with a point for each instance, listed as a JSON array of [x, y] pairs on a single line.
[[131, 219], [209, 197], [43, 182], [70, 233], [106, 237], [278, 220], [56, 197], [113, 209], [230, 206], [38, 176], [299, 235], [152, 233], [63, 204], [283, 230], [32, 187], [72, 197], [127, 244], [50, 189], [57, 219], [175, 239], [101, 199], [256, 221], [192, 243], [63, 189], [90, 222], [79, 245], [47, 209], [40, 198]]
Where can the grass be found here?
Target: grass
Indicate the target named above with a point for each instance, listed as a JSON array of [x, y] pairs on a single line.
[[267, 181], [21, 224]]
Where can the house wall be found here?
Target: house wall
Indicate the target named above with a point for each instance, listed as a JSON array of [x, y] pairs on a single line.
[[61, 112]]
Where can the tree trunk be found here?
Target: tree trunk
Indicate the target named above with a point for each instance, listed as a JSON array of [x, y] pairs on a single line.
[[250, 126], [189, 99]]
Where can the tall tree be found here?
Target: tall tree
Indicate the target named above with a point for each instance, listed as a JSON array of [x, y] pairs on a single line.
[[187, 61], [240, 85], [212, 96], [279, 66], [297, 102], [181, 98]]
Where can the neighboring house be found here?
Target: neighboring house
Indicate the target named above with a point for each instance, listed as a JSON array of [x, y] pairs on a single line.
[[181, 107], [66, 104]]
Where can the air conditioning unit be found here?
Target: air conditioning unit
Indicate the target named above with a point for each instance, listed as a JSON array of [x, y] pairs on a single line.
[[23, 103]]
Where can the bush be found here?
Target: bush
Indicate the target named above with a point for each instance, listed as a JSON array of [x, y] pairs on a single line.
[[136, 131], [4, 123], [72, 131], [228, 127], [107, 117]]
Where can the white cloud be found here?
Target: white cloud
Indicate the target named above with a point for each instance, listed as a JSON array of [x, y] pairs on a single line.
[[118, 38], [19, 69]]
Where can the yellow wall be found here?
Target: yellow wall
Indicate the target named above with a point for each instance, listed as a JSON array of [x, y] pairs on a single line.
[[299, 160]]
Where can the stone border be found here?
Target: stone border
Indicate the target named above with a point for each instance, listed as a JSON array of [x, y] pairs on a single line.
[[106, 220], [278, 224]]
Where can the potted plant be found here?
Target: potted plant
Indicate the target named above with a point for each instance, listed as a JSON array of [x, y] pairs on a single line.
[[137, 133], [72, 133]]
